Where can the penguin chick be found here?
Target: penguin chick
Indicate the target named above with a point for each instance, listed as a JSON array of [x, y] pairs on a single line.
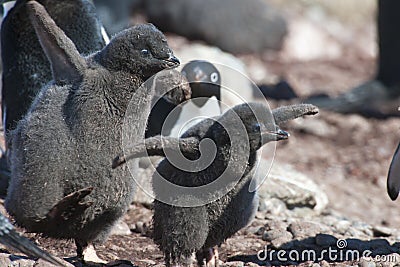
[[183, 225], [10, 238], [204, 80], [25, 66], [62, 185]]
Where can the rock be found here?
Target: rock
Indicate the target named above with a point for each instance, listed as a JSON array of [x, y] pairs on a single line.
[[366, 262], [302, 212], [303, 229], [121, 228], [324, 263], [257, 230], [293, 188], [140, 227], [276, 224], [233, 25], [272, 206], [381, 231], [342, 226], [279, 242], [325, 240], [233, 264], [275, 234]]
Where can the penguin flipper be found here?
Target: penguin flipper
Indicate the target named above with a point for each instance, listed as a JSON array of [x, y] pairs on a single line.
[[70, 206], [10, 238], [393, 180], [155, 146]]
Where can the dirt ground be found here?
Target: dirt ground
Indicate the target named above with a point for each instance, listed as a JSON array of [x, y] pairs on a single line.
[[349, 158]]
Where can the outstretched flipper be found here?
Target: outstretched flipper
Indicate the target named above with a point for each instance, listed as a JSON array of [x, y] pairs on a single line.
[[156, 146], [67, 64], [288, 113], [10, 238], [70, 206]]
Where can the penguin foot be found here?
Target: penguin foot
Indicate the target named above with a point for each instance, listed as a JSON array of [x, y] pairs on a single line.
[[208, 257], [87, 253], [371, 99]]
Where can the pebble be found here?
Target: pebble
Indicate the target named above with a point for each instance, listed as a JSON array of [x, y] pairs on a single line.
[[381, 231], [140, 227], [121, 228], [233, 264], [272, 206], [275, 234], [301, 229], [283, 241], [366, 262], [342, 226]]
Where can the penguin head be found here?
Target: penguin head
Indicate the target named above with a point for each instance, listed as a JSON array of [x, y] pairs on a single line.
[[141, 49], [204, 79], [258, 122]]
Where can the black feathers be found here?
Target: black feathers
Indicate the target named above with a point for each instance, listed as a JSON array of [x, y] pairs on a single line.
[[201, 202], [26, 68], [62, 184]]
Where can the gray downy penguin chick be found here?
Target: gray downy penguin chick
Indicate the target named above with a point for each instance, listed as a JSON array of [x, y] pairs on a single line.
[[393, 180], [25, 66], [10, 238], [184, 229], [62, 185], [204, 80]]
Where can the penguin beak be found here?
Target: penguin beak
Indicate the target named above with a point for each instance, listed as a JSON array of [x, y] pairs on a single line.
[[277, 135], [172, 61], [281, 135], [393, 181]]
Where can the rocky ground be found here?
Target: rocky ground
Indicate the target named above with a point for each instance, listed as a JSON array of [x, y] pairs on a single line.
[[326, 193]]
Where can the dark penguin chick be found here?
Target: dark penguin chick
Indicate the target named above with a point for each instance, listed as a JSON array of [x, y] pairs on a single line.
[[183, 224], [205, 83], [393, 180], [10, 238], [25, 66], [62, 185]]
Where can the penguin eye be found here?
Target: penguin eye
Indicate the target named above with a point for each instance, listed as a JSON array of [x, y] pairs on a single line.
[[145, 52], [256, 127], [214, 77]]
